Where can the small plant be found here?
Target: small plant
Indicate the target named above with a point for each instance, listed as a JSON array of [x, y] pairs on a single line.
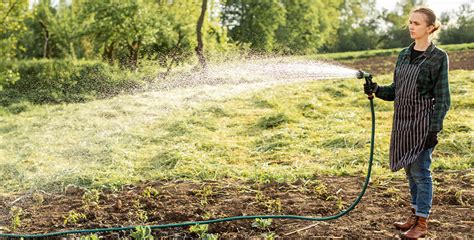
[[142, 233], [91, 198], [204, 193], [273, 205], [142, 216], [339, 202], [269, 236], [73, 217], [38, 198], [458, 197], [201, 231], [321, 190], [262, 224], [15, 213], [150, 192], [90, 237]]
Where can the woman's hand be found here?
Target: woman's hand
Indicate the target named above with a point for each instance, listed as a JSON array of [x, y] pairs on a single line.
[[431, 140], [370, 88]]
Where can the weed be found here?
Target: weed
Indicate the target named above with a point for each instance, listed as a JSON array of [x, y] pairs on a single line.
[[90, 198], [150, 192], [201, 231], [142, 233], [142, 215], [458, 196], [15, 213], [90, 237], [204, 193], [321, 190], [73, 217], [272, 205]]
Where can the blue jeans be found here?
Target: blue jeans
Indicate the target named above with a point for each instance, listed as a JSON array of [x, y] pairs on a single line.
[[421, 184]]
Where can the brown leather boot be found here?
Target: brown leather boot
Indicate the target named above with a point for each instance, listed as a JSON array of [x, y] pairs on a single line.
[[410, 222], [419, 230]]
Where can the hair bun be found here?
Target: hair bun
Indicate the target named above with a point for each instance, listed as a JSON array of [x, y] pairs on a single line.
[[436, 25]]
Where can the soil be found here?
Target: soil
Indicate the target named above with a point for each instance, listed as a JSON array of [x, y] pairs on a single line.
[[385, 64], [163, 202]]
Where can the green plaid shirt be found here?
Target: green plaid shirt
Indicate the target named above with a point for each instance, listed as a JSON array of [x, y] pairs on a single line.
[[432, 82]]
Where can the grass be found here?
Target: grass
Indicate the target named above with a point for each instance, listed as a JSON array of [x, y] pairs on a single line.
[[284, 133]]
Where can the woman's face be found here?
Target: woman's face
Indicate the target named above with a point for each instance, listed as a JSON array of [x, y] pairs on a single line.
[[418, 26]]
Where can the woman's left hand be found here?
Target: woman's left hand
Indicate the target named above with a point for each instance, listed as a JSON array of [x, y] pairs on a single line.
[[431, 140]]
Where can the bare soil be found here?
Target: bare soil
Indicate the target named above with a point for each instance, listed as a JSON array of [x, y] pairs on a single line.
[[385, 201], [386, 64]]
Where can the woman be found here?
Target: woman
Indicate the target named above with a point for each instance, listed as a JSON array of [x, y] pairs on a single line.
[[420, 92]]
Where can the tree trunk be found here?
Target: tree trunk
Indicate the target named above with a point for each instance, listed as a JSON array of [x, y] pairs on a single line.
[[133, 56], [47, 35], [108, 54], [200, 46]]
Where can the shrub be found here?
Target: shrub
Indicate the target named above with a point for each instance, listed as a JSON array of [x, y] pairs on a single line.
[[59, 81]]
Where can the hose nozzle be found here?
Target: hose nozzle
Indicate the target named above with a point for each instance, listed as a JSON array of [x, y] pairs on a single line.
[[361, 74]]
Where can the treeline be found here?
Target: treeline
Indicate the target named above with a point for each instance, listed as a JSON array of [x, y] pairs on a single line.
[[126, 33]]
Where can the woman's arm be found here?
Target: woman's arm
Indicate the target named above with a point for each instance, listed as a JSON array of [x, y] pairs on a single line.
[[442, 98]]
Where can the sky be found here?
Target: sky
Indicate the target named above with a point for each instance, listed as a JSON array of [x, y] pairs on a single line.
[[438, 6]]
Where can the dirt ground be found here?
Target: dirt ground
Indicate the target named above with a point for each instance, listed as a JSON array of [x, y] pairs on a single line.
[[385, 201], [385, 65]]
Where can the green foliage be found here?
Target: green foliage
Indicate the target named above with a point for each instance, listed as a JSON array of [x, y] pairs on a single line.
[[15, 214], [12, 15], [463, 30], [309, 24], [201, 231], [142, 233], [74, 217], [358, 27], [254, 22], [262, 223], [90, 237], [56, 81], [91, 197], [138, 143]]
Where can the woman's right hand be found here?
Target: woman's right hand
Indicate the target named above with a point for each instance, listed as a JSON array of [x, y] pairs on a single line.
[[370, 88]]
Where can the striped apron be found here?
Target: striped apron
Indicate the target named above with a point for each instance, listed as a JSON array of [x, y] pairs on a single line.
[[411, 118]]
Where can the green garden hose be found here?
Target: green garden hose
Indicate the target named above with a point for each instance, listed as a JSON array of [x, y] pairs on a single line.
[[183, 224]]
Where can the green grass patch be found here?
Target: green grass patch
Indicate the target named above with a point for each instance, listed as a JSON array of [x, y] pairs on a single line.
[[284, 133]]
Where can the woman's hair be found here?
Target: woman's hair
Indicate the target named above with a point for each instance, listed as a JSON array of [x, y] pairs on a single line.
[[430, 17]]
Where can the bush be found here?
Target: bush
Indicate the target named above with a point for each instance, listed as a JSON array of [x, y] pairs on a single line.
[[58, 81]]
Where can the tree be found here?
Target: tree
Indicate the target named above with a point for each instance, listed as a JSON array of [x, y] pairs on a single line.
[[199, 48], [309, 25], [121, 28], [397, 33], [358, 27], [253, 22], [12, 15], [463, 30]]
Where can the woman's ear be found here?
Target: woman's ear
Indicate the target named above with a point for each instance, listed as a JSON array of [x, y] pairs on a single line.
[[431, 29]]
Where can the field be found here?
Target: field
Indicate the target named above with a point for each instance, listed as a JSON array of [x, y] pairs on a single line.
[[209, 152]]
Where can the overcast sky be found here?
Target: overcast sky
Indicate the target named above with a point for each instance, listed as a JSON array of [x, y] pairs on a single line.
[[438, 6]]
